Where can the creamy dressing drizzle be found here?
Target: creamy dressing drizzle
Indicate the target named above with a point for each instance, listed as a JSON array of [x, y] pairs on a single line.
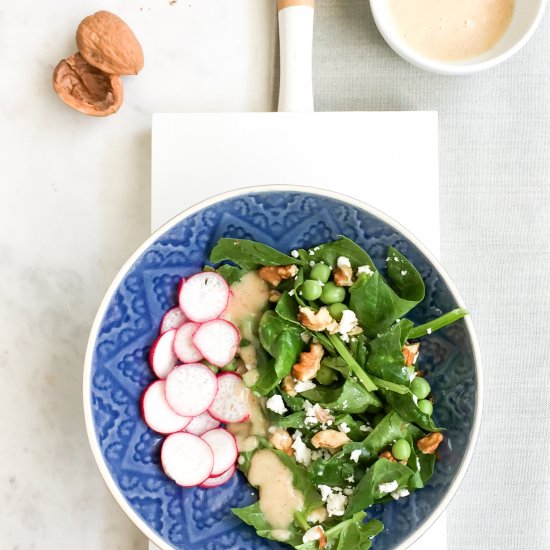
[[452, 30], [244, 432], [278, 497]]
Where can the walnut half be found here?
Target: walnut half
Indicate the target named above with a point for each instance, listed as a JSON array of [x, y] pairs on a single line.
[[274, 274], [329, 439], [86, 88], [310, 363], [430, 443]]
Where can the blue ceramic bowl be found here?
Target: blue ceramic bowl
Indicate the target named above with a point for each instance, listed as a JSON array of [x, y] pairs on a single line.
[[116, 369]]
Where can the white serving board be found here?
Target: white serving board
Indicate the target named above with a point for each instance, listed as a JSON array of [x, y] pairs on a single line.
[[386, 159]]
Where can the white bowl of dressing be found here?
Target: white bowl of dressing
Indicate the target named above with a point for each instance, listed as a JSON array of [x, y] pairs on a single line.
[[456, 36]]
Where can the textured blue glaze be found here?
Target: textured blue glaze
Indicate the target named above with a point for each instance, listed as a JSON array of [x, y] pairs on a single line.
[[194, 519]]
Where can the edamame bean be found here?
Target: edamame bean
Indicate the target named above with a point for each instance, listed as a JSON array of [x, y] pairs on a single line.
[[311, 290], [320, 272], [420, 387], [401, 450], [336, 310], [333, 294]]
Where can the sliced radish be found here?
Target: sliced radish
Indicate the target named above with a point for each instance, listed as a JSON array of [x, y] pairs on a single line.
[[187, 459], [224, 447], [204, 296], [218, 341], [173, 318], [184, 348], [190, 389], [162, 357], [157, 413], [216, 481], [201, 424], [231, 402]]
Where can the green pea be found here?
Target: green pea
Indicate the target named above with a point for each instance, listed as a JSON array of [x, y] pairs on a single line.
[[325, 376], [425, 406], [320, 272], [333, 294], [311, 290], [420, 387], [401, 450], [336, 310]]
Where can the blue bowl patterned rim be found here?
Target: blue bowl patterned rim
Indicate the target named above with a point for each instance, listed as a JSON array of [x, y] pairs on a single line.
[[114, 484]]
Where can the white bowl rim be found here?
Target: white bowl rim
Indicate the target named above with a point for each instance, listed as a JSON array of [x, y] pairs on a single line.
[[94, 444], [449, 68]]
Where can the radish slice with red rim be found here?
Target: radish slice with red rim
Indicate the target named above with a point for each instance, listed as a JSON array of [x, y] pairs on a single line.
[[157, 413], [162, 357], [201, 424], [184, 348], [216, 481], [204, 296], [218, 341], [191, 389], [231, 402], [186, 459], [224, 447], [173, 318]]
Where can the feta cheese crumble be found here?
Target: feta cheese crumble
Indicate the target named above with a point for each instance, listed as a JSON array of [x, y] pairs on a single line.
[[365, 269], [304, 386], [365, 428], [325, 491], [291, 292], [343, 427], [400, 493], [347, 323], [388, 487], [403, 273], [336, 504], [428, 331], [301, 453], [342, 261], [313, 534], [355, 455], [276, 404], [294, 254]]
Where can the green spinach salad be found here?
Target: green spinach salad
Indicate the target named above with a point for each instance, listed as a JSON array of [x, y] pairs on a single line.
[[300, 370], [342, 417]]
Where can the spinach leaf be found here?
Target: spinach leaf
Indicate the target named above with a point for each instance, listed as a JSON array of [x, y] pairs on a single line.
[[439, 322], [334, 471], [351, 397], [349, 534], [385, 358], [248, 254], [390, 428], [404, 277], [287, 308], [282, 340], [294, 420], [294, 403], [408, 410], [426, 470], [376, 304], [368, 492], [358, 348], [354, 433], [329, 253], [253, 516], [231, 273]]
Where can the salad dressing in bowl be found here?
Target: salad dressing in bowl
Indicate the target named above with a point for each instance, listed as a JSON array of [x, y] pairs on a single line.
[[451, 30], [278, 497]]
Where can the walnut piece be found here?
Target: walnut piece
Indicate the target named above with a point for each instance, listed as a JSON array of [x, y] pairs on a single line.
[[281, 440], [329, 439], [107, 42], [430, 443], [86, 88], [388, 455], [274, 274], [317, 321], [322, 415], [310, 363], [343, 276], [410, 352], [288, 386]]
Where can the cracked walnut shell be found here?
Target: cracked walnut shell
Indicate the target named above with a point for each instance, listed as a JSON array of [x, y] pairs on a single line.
[[107, 42], [86, 88]]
